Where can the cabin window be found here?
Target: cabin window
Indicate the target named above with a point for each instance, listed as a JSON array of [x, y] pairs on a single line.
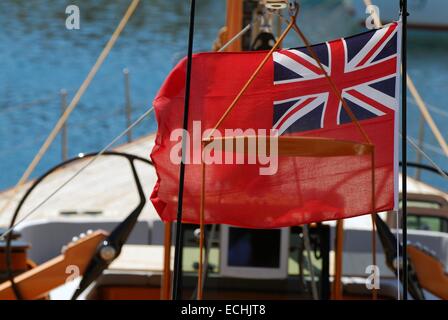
[[298, 282], [427, 223], [422, 204]]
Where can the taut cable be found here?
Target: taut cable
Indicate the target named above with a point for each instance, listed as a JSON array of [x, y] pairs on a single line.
[[74, 102], [414, 92], [335, 90], [378, 24], [252, 77], [77, 173]]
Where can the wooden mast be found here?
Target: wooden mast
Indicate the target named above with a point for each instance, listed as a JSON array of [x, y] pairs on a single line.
[[166, 284], [338, 265], [234, 24]]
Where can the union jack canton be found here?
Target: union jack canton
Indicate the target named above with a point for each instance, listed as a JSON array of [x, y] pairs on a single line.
[[363, 68]]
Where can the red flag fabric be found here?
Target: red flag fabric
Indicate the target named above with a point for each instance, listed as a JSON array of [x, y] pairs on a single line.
[[292, 96]]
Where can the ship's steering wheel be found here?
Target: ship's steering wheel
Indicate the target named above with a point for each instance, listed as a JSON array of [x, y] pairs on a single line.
[[110, 248]]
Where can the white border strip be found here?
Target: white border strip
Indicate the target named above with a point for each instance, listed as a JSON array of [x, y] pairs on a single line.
[[397, 116]]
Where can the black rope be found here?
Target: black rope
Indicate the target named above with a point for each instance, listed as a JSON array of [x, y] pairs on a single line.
[[177, 279], [426, 167], [404, 14]]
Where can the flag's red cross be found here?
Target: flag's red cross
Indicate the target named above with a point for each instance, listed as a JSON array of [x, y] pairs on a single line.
[[346, 79]]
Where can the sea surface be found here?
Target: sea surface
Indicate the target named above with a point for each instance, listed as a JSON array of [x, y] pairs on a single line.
[[39, 57]]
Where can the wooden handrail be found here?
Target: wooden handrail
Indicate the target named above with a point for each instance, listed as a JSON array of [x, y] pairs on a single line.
[[430, 272], [38, 282], [294, 146]]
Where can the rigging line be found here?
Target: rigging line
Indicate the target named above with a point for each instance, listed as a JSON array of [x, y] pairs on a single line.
[[378, 24], [435, 109], [360, 128], [238, 35], [213, 228], [333, 86], [433, 148], [415, 145], [425, 113], [251, 79], [74, 101], [306, 236], [178, 256], [397, 221], [329, 79], [432, 108], [415, 94], [404, 156], [77, 173], [208, 247], [235, 37]]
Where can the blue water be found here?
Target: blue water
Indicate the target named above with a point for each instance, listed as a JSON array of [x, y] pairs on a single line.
[[39, 57]]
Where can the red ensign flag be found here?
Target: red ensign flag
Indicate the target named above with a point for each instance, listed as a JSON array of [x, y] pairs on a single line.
[[291, 95]]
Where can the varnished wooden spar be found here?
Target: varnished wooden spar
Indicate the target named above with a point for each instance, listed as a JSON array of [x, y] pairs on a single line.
[[290, 146], [430, 272], [337, 293], [38, 282], [166, 284], [234, 24], [19, 261], [293, 146]]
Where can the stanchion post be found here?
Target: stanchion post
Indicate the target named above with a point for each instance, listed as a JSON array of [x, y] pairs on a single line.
[[128, 106], [64, 150]]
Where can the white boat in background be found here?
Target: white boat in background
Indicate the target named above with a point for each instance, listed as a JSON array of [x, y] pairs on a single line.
[[424, 14]]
